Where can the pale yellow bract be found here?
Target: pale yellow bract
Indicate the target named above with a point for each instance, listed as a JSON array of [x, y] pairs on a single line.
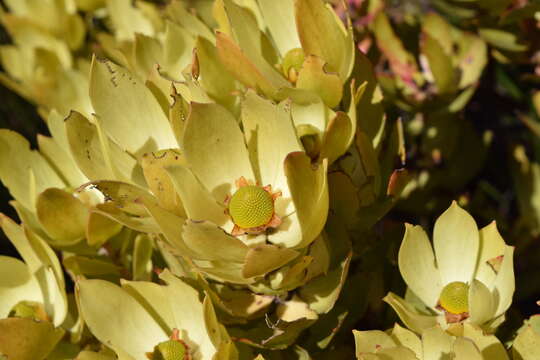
[[463, 260]]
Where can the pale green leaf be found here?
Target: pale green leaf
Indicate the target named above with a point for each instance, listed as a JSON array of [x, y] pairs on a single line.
[[309, 194], [244, 69], [213, 76], [26, 339], [322, 33], [270, 136], [214, 148], [128, 20], [43, 264], [408, 339], [316, 76], [63, 216], [465, 349], [409, 315], [456, 243], [142, 258], [504, 284], [127, 110], [280, 20], [417, 265], [95, 154], [199, 204], [371, 341], [440, 65], [17, 284], [526, 345], [202, 237], [481, 303], [262, 259], [322, 293], [154, 167], [24, 171], [492, 246], [436, 343], [503, 39], [335, 139], [117, 319]]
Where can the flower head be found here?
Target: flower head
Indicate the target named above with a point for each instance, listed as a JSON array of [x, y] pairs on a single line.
[[252, 209], [218, 185], [172, 349], [468, 277]]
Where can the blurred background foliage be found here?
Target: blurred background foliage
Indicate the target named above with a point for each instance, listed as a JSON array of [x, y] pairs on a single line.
[[481, 149]]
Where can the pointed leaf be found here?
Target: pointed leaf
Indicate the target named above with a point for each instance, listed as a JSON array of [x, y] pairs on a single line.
[[281, 22], [322, 293], [309, 193], [117, 319], [213, 75], [504, 285], [492, 246], [323, 34], [170, 226], [62, 215], [128, 111], [465, 349], [154, 168], [113, 213], [417, 265], [59, 151], [23, 171], [214, 148], [334, 143], [178, 50], [408, 339], [371, 341], [436, 343], [440, 64], [243, 68], [316, 77], [198, 203], [177, 11], [270, 136], [17, 284], [26, 339], [210, 242], [401, 61], [408, 315], [142, 258], [128, 20], [262, 259], [126, 197], [43, 263], [100, 229], [456, 243], [481, 303], [94, 153], [503, 39]]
